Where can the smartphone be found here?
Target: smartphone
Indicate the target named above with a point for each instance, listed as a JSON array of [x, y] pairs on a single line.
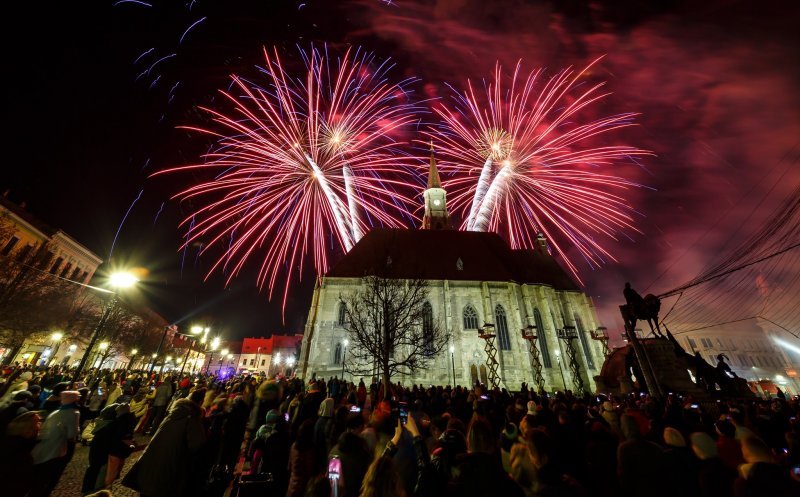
[[403, 411], [99, 391], [694, 406], [355, 409], [286, 417], [334, 468], [485, 397]]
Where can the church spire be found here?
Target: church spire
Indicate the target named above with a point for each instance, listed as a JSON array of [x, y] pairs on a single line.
[[436, 215], [433, 172]]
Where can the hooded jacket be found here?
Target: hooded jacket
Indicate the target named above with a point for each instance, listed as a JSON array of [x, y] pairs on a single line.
[[165, 467]]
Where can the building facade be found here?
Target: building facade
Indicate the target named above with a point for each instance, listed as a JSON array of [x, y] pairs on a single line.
[[755, 356], [474, 279]]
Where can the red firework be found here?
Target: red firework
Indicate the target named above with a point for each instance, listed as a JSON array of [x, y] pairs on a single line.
[[301, 164], [524, 163]]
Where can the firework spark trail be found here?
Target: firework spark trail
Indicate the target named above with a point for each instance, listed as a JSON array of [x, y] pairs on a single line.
[[538, 162], [355, 221], [121, 223], [298, 160], [190, 28]]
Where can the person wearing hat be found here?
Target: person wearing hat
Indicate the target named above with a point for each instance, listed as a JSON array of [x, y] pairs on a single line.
[[16, 385], [713, 477], [56, 441], [52, 403]]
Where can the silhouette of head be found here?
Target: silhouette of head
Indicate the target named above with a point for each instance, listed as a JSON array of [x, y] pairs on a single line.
[[627, 284]]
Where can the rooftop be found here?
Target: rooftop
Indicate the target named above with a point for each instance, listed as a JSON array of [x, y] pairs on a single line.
[[449, 255]]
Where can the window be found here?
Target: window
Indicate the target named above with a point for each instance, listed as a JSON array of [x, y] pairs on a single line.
[[244, 362], [65, 271], [56, 265], [342, 314], [46, 258], [543, 350], [252, 362], [84, 276], [75, 273], [262, 362], [427, 328], [692, 344], [584, 342], [337, 354], [502, 328], [470, 318], [23, 253], [9, 246]]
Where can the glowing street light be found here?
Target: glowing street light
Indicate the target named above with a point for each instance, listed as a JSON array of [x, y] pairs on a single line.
[[134, 352], [103, 346], [118, 281], [453, 362], [57, 336]]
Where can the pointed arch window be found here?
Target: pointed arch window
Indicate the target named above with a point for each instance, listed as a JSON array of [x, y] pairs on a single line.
[[470, 318], [501, 324], [427, 328], [337, 354], [584, 342], [543, 349], [342, 316]]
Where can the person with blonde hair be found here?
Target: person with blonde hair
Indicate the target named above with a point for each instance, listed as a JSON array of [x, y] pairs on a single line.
[[382, 480]]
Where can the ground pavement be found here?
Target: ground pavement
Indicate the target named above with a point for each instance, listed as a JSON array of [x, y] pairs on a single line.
[[70, 483]]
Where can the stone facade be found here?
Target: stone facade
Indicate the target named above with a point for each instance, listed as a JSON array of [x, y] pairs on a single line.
[[323, 346]]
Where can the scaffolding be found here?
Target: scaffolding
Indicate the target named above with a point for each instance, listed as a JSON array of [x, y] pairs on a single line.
[[568, 335], [488, 335]]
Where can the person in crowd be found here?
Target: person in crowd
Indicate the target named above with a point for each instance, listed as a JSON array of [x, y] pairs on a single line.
[[354, 456], [728, 447], [480, 471], [160, 399], [270, 450], [714, 478], [639, 462], [165, 467], [761, 475], [16, 462], [302, 458], [56, 444]]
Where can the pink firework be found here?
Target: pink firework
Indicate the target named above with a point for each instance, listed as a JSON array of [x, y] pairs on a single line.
[[301, 165], [524, 162]]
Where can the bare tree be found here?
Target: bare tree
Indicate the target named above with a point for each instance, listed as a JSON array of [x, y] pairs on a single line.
[[391, 327]]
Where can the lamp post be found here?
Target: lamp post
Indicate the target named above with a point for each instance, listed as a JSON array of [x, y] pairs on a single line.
[[453, 362], [558, 360], [133, 356], [194, 330], [118, 281], [56, 338], [214, 345], [224, 354], [346, 342], [290, 362], [102, 347]]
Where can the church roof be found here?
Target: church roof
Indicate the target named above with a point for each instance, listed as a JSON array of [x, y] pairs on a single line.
[[435, 255], [433, 173]]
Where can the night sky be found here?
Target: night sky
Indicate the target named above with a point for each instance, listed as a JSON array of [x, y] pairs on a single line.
[[716, 83]]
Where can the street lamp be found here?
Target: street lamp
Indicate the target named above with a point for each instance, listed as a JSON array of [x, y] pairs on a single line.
[[102, 347], [214, 345], [133, 358], [56, 338], [118, 281], [558, 360], [453, 362]]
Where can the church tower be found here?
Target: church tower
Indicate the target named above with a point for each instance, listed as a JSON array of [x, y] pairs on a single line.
[[436, 215]]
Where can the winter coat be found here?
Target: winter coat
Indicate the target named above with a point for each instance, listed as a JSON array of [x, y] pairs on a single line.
[[165, 467], [16, 466], [301, 469], [58, 429], [481, 475], [355, 457]]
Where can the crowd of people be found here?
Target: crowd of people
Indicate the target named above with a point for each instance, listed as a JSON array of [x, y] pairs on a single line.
[[286, 437]]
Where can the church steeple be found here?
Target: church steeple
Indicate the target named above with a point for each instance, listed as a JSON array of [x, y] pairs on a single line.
[[436, 215]]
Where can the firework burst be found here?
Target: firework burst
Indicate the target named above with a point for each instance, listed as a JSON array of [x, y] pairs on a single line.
[[536, 167], [301, 165]]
